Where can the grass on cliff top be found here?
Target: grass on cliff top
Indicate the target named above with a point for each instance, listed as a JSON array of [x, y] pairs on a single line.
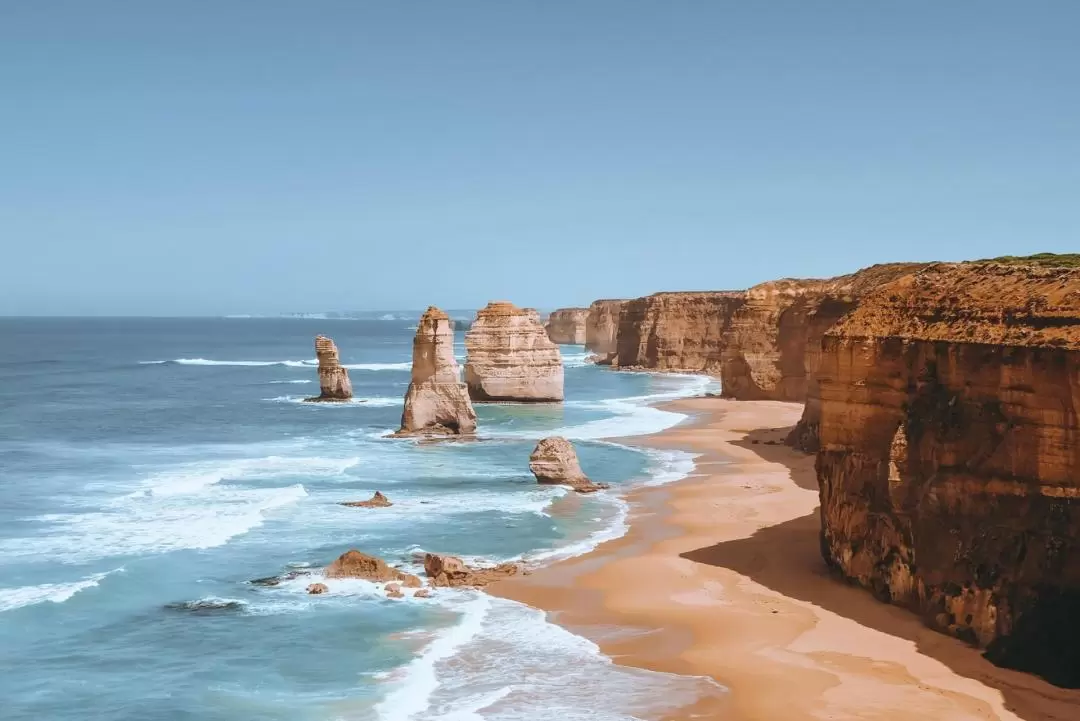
[[1046, 260]]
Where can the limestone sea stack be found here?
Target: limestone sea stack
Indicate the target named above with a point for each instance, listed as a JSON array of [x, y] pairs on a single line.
[[566, 326], [554, 461], [451, 571], [354, 564], [602, 326], [436, 402], [334, 385], [949, 462], [511, 358]]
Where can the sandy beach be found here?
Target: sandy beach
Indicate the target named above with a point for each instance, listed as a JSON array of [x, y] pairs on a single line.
[[720, 576]]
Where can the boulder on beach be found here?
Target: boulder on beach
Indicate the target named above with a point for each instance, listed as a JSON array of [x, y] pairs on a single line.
[[353, 564], [451, 571], [376, 501], [436, 402], [334, 385], [554, 461]]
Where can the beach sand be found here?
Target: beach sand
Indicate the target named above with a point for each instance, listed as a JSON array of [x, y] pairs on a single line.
[[720, 575]]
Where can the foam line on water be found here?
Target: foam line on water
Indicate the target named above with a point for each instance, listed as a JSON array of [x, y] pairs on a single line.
[[309, 363], [18, 597], [373, 402]]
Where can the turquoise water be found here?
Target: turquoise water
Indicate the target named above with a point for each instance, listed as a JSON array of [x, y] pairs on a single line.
[[152, 468]]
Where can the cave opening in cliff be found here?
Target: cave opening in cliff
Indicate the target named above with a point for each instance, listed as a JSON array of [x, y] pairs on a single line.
[[1045, 640]]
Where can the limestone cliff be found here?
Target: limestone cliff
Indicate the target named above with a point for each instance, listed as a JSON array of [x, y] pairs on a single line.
[[602, 326], [510, 357], [334, 382], [676, 331], [949, 466], [436, 401], [566, 326]]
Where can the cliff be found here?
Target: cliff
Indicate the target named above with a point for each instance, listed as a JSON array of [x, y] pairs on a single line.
[[334, 382], [510, 357], [566, 326], [602, 326], [436, 401], [676, 331], [949, 462]]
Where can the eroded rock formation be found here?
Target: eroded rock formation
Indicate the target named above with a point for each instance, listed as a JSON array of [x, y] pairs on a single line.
[[436, 402], [602, 327], [451, 571], [566, 326], [334, 382], [317, 589], [676, 331], [949, 462], [554, 461], [353, 564], [376, 501], [511, 358]]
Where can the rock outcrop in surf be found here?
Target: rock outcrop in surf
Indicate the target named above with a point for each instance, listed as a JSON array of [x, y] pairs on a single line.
[[566, 326], [451, 571], [334, 385], [554, 461], [511, 358], [376, 501], [437, 402], [354, 564], [948, 413]]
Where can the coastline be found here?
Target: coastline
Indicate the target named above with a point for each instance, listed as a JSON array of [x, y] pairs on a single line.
[[719, 575]]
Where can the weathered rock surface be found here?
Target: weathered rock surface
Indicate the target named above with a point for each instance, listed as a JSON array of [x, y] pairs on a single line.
[[436, 402], [566, 326], [451, 571], [554, 461], [334, 382], [949, 462], [376, 501], [353, 564], [602, 327], [511, 358], [676, 331], [393, 590], [316, 589]]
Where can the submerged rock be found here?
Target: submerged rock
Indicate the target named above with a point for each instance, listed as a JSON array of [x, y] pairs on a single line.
[[206, 606], [554, 461], [376, 501], [353, 564], [511, 358], [436, 402], [334, 382], [275, 580], [451, 571]]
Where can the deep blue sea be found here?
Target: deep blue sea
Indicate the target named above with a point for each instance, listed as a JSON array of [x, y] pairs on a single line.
[[150, 468]]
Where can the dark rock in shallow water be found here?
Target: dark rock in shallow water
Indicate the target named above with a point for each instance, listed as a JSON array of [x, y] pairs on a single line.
[[275, 580], [205, 606]]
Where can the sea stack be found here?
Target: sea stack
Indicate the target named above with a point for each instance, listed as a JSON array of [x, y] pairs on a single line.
[[334, 385], [510, 357], [602, 327], [554, 461], [566, 326], [436, 402]]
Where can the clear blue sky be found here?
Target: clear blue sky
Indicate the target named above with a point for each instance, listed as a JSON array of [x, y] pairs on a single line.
[[214, 156]]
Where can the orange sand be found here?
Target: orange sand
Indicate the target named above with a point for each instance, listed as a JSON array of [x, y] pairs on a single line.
[[722, 576]]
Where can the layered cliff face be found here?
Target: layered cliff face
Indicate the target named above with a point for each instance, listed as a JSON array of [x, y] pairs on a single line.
[[511, 358], [334, 382], [436, 401], [949, 466], [566, 326], [676, 331], [602, 326]]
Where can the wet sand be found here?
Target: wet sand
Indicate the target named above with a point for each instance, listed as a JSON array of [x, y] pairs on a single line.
[[720, 576]]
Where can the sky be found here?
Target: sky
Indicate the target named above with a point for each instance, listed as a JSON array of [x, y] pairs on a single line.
[[220, 157]]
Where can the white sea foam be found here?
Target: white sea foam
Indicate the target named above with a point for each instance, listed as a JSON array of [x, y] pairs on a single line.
[[503, 661], [373, 402], [309, 363], [12, 598], [193, 477]]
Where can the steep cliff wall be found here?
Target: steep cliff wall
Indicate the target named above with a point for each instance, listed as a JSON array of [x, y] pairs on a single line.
[[949, 466], [566, 326], [602, 326], [676, 331]]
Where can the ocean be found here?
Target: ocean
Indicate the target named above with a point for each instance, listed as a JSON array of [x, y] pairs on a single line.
[[151, 468]]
